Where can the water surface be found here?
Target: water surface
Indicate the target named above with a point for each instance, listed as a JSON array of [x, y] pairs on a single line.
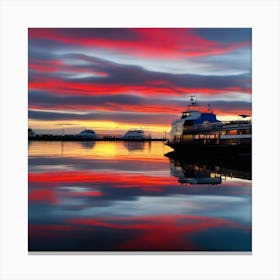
[[128, 196]]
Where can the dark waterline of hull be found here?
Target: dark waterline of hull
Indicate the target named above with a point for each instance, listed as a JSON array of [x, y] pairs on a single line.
[[187, 148]]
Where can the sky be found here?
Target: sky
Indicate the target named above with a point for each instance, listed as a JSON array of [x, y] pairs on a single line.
[[114, 79]]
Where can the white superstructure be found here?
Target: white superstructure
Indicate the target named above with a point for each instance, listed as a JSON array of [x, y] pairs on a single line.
[[136, 134], [87, 134]]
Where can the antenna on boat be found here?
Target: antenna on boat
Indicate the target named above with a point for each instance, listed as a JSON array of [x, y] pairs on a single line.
[[209, 108]]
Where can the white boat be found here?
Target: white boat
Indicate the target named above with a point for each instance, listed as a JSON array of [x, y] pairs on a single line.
[[197, 130], [134, 134], [87, 134], [31, 133]]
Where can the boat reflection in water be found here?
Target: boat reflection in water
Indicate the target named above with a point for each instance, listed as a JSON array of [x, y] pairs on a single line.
[[89, 145], [134, 145], [193, 174], [209, 169]]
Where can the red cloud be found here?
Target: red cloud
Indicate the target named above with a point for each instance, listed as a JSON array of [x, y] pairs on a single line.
[[50, 66], [46, 66], [111, 107], [57, 86], [147, 42]]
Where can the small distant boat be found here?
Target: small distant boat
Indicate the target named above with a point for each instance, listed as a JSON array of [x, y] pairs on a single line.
[[31, 133], [134, 134], [87, 134]]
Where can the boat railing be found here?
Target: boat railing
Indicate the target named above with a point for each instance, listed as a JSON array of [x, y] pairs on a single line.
[[218, 127]]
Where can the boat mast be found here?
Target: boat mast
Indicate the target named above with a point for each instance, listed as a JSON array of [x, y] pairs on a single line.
[[194, 105]]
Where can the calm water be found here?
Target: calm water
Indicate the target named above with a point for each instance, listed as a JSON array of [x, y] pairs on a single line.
[[128, 196]]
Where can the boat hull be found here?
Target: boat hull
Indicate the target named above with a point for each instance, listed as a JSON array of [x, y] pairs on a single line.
[[192, 147]]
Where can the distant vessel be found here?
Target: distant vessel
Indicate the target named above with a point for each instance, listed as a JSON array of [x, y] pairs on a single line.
[[197, 130], [134, 134], [31, 133], [87, 134]]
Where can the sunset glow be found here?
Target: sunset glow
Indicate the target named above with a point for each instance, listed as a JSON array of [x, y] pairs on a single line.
[[115, 79]]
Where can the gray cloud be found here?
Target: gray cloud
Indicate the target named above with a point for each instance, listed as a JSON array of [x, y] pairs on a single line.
[[140, 118]]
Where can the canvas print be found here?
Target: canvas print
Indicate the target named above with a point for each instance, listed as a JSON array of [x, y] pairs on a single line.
[[139, 140]]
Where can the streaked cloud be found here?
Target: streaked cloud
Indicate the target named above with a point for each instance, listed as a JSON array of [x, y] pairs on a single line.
[[108, 74]]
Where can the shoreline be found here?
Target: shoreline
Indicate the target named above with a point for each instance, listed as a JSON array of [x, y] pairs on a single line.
[[75, 138]]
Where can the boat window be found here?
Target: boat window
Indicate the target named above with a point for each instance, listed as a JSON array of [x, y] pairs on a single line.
[[232, 132], [188, 122], [185, 114], [245, 131]]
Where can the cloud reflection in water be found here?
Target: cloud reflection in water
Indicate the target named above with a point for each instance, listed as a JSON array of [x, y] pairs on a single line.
[[128, 201]]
